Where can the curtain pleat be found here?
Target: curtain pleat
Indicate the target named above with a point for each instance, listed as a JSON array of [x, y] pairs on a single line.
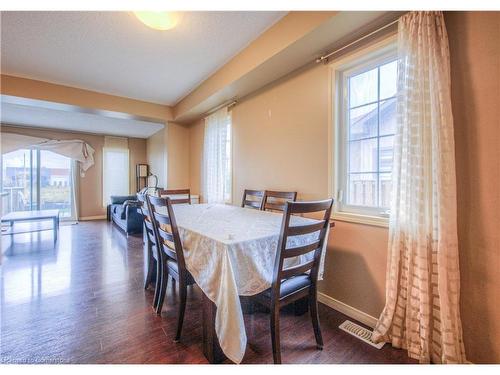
[[422, 312]]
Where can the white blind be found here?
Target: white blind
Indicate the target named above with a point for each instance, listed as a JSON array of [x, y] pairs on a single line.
[[115, 168]]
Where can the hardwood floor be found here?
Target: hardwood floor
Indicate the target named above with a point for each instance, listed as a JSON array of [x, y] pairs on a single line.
[[83, 302]]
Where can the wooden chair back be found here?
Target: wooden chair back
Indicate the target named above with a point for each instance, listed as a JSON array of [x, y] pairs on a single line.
[[148, 224], [315, 245], [166, 230], [276, 200], [169, 192], [257, 200]]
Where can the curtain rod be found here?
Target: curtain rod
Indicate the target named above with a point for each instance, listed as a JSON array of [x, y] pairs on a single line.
[[325, 57], [229, 103]]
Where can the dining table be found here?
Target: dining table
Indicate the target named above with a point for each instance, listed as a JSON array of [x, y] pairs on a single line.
[[230, 252]]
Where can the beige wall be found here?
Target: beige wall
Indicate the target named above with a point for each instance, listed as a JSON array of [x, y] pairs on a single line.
[[90, 186], [157, 156], [177, 156], [280, 141], [168, 156], [475, 69]]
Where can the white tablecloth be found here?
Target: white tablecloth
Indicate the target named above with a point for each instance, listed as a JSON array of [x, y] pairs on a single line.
[[230, 251]]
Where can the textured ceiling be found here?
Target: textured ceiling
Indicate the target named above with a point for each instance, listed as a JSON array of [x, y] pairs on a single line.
[[112, 52]]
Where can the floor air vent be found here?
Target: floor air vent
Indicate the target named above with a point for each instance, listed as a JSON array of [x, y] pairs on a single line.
[[360, 332]]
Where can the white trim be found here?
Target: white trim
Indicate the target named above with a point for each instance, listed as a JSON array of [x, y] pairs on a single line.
[[376, 221], [97, 217], [345, 309]]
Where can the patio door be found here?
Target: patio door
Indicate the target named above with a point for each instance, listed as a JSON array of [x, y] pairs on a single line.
[[35, 179]]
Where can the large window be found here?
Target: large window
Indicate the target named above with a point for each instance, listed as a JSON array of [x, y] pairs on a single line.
[[35, 179], [365, 108], [115, 162]]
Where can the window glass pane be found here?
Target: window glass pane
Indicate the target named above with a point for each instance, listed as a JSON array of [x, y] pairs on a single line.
[[55, 182], [18, 181], [385, 153], [388, 79], [363, 189], [363, 88], [363, 155], [388, 117], [385, 190], [363, 122], [369, 126]]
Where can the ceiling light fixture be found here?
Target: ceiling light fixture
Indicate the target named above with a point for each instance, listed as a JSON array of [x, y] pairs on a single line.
[[158, 20]]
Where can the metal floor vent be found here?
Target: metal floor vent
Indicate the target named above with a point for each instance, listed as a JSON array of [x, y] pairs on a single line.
[[360, 332]]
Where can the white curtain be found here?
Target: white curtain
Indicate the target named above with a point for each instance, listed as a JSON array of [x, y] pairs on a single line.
[[422, 312], [217, 157], [74, 148]]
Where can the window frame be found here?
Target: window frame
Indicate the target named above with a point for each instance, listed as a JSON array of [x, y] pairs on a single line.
[[359, 61]]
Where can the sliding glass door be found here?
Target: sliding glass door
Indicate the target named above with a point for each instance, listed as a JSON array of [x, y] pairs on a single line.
[[35, 179]]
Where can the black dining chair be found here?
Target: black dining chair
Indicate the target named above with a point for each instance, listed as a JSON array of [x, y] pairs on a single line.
[[153, 257], [173, 263], [297, 282], [252, 199], [275, 200]]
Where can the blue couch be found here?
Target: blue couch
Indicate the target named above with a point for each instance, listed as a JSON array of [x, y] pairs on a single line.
[[125, 211]]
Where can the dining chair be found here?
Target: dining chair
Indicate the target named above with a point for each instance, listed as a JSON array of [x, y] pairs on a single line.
[[173, 263], [153, 256], [275, 200], [169, 192], [293, 283], [252, 199]]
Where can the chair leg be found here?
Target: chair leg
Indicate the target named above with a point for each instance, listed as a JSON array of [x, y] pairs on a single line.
[[163, 289], [275, 334], [313, 308], [149, 272], [158, 281], [182, 308]]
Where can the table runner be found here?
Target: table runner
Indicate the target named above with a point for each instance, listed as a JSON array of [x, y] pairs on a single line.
[[230, 251]]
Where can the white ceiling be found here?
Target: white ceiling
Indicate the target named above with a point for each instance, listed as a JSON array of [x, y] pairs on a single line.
[[114, 53], [40, 114]]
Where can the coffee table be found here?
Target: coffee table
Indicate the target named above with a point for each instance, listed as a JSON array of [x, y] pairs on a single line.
[[38, 216]]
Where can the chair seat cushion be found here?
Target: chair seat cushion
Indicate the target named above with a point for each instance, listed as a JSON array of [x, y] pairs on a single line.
[[291, 285]]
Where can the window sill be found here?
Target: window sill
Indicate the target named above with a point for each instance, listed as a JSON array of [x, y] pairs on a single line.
[[376, 221]]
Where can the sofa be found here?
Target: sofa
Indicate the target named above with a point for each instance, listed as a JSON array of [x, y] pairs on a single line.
[[125, 211]]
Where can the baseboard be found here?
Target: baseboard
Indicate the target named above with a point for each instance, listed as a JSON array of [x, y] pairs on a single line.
[[345, 309], [87, 218]]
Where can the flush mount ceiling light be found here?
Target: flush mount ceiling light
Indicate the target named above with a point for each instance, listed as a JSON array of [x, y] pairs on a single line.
[[158, 20]]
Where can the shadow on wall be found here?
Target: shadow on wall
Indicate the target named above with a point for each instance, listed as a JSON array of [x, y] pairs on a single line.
[[473, 204], [349, 278]]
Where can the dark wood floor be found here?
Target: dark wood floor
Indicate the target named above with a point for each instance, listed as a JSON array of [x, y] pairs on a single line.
[[83, 302]]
